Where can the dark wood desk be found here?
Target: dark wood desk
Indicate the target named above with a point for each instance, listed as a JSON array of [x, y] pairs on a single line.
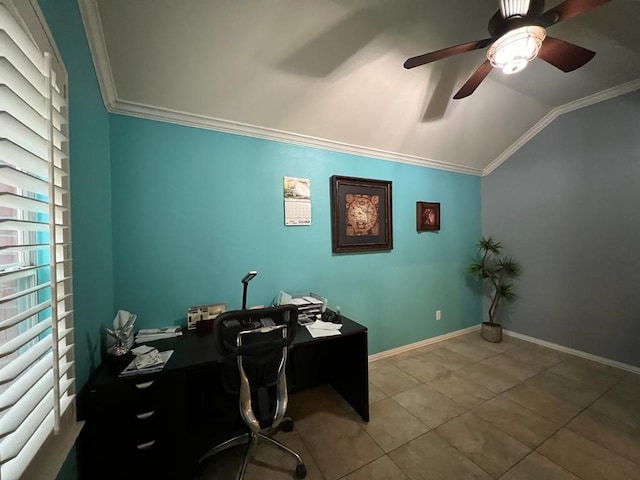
[[160, 424]]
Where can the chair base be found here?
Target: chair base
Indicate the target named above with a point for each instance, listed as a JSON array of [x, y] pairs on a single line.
[[251, 440]]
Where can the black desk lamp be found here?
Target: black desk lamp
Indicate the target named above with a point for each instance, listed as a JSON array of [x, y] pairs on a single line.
[[245, 281]]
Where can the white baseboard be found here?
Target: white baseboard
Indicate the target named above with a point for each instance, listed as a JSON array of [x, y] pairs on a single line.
[[421, 343], [526, 338], [577, 353]]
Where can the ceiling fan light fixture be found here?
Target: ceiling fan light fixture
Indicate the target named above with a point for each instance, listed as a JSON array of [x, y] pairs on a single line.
[[516, 48], [512, 8]]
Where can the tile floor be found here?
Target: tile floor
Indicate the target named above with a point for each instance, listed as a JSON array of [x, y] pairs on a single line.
[[464, 409]]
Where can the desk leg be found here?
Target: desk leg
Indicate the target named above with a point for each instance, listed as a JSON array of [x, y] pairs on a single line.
[[349, 374]]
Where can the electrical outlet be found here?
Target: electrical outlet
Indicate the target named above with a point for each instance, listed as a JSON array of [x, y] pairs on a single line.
[[438, 314]]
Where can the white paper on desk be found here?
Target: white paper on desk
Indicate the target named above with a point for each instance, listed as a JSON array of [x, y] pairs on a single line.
[[132, 370], [158, 336], [318, 332], [324, 329], [142, 349], [320, 325]]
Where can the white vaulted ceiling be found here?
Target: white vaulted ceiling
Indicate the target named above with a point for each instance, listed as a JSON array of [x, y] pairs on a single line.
[[330, 72]]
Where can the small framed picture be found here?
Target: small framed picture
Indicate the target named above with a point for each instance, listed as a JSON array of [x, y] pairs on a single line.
[[361, 218], [427, 216], [203, 313]]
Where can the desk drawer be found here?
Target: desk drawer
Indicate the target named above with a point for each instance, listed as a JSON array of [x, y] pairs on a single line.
[[134, 428], [132, 396], [158, 459]]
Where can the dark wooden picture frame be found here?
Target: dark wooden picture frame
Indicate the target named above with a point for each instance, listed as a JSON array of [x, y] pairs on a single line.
[[361, 217], [427, 216]]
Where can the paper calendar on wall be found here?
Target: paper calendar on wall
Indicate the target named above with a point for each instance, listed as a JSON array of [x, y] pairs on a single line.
[[297, 201]]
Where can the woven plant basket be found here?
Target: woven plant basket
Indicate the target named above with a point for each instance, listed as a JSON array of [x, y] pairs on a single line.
[[491, 333]]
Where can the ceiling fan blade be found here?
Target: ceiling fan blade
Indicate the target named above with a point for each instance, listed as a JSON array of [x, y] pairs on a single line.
[[478, 76], [568, 9], [446, 52], [564, 55]]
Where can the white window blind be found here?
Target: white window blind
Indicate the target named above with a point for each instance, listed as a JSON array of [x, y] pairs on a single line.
[[36, 304]]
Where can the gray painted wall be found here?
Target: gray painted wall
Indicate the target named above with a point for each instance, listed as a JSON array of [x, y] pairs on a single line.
[[567, 206]]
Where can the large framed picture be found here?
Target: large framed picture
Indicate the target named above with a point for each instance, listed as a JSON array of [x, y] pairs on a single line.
[[427, 216], [361, 218]]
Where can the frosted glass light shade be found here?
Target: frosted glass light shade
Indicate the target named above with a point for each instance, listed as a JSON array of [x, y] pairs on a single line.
[[516, 48]]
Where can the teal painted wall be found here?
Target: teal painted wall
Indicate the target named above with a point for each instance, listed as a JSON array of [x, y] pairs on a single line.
[[194, 210]]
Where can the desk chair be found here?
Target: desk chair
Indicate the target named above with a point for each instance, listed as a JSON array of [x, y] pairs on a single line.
[[254, 345]]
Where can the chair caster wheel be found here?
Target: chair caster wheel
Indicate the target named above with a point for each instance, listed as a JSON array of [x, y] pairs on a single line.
[[287, 426], [301, 471]]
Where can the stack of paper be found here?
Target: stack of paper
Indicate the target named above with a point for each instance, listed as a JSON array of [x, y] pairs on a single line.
[[151, 334], [308, 308], [147, 360], [324, 329]]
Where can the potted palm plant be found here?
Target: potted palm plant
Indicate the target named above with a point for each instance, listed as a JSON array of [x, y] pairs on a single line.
[[498, 270]]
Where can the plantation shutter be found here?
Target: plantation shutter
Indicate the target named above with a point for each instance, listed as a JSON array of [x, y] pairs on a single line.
[[36, 304]]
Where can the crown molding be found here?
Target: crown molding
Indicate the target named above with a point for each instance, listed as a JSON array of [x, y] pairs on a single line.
[[555, 113], [239, 128], [91, 19], [98, 47]]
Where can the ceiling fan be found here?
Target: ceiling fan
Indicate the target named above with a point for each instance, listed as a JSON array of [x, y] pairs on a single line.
[[518, 35]]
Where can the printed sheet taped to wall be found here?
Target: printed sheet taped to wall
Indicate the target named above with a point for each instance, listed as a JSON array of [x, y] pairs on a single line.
[[297, 201]]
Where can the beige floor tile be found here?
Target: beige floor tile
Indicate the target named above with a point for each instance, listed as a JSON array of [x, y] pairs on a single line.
[[613, 434], [339, 445], [395, 359], [598, 376], [223, 466], [392, 425], [391, 380], [486, 445], [514, 367], [474, 351], [544, 404], [375, 394], [380, 469], [429, 457], [579, 393], [308, 402], [531, 353], [270, 463], [474, 340], [536, 467], [378, 363], [492, 378], [461, 390], [450, 359], [421, 367], [514, 342], [621, 403], [267, 462], [632, 379], [429, 406], [516, 420], [587, 459], [428, 348], [433, 387]]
